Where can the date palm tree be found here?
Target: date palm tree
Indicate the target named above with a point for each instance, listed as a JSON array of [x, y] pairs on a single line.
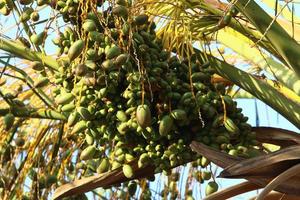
[[38, 150]]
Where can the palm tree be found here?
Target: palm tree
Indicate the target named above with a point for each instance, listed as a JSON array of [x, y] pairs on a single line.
[[38, 148]]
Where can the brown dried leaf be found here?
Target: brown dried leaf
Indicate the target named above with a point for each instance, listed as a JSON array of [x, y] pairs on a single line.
[[277, 136], [219, 158], [252, 172], [279, 180], [233, 191], [269, 165], [278, 196], [102, 180]]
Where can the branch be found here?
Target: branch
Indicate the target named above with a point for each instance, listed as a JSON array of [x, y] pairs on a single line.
[[33, 113], [25, 53]]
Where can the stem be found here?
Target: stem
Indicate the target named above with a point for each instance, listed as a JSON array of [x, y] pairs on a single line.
[[57, 145], [25, 25], [25, 53], [14, 130], [33, 113]]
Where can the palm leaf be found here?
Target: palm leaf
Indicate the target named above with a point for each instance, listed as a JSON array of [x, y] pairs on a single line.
[[246, 48], [286, 46]]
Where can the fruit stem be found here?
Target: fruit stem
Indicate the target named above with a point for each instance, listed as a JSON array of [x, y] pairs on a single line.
[[33, 113]]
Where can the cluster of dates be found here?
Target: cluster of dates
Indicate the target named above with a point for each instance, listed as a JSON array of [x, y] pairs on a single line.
[[133, 100]]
